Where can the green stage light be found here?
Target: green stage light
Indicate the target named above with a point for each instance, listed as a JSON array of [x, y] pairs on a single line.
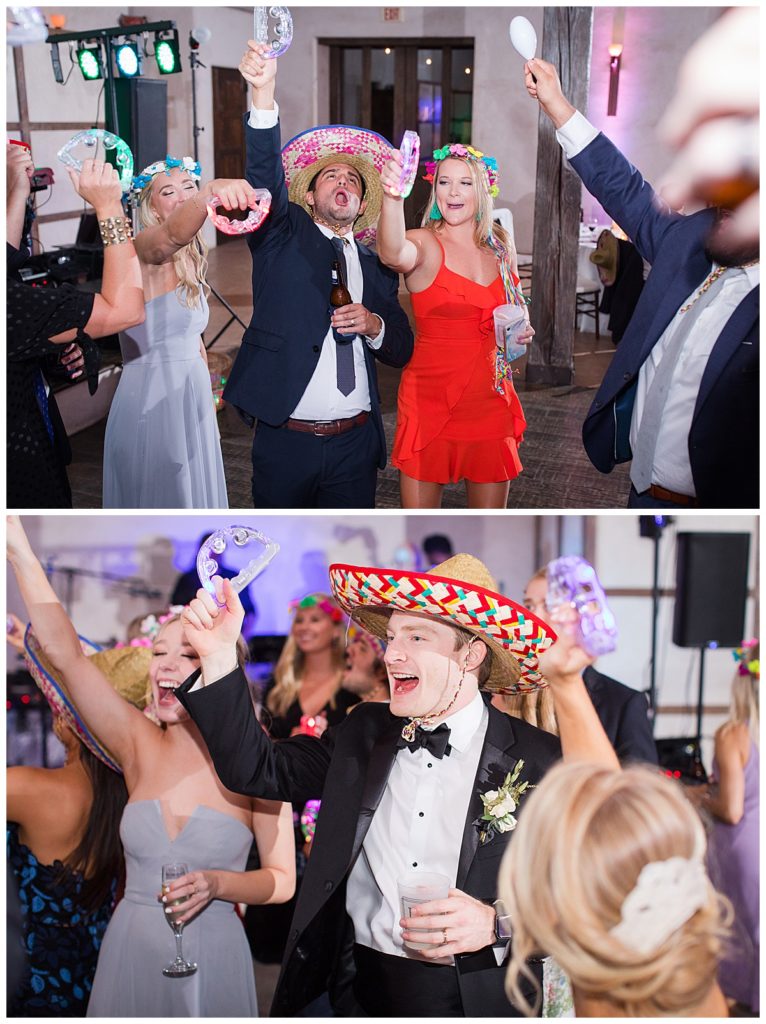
[[89, 60], [168, 55], [128, 59]]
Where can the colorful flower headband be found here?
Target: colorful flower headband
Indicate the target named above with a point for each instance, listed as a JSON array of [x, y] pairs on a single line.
[[189, 165], [457, 149], [747, 667], [150, 627], [322, 603]]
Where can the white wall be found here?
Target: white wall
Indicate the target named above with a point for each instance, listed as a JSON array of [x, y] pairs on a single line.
[[505, 119]]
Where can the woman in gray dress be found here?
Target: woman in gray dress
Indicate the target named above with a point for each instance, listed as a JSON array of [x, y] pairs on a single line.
[[162, 447], [177, 811]]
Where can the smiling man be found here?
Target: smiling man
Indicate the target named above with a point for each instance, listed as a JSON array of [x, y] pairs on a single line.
[[403, 785], [307, 373]]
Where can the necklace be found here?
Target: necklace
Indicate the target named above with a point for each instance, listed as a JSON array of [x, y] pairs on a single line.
[[341, 230], [710, 279]]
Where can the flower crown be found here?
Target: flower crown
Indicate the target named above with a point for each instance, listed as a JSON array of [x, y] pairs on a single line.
[[189, 165], [322, 603], [747, 666], [457, 149], [150, 627]]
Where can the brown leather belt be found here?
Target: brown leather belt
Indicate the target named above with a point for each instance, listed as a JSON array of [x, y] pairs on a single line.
[[328, 428], [663, 494]]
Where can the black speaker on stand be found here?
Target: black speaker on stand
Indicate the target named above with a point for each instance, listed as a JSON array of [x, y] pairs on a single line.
[[711, 592], [142, 111]]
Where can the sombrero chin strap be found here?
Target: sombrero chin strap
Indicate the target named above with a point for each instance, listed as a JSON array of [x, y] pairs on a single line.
[[408, 729]]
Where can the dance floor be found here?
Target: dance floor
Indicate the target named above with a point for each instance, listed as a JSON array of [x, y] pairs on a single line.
[[557, 473]]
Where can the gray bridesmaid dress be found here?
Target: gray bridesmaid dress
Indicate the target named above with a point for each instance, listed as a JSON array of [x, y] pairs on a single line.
[[162, 447], [139, 942]]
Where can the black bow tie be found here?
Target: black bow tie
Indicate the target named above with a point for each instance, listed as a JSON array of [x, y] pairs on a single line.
[[436, 741]]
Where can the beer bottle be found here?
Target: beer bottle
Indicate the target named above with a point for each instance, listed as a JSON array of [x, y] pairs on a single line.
[[339, 296]]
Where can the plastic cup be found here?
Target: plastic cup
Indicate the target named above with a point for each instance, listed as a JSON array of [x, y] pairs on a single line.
[[510, 322], [421, 887]]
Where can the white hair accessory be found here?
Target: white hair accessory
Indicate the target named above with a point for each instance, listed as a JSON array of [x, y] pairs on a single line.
[[666, 895]]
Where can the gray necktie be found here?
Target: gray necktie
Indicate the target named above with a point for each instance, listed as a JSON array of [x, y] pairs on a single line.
[[344, 349], [657, 395]]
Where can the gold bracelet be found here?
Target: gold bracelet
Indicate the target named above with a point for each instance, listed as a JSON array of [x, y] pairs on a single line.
[[115, 230]]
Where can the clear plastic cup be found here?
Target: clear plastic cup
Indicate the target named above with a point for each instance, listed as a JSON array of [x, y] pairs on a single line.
[[510, 322], [421, 887]]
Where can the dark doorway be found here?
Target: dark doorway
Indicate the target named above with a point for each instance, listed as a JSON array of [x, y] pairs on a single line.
[[229, 104]]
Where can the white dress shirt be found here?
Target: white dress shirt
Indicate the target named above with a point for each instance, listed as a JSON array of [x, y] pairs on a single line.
[[418, 825], [322, 400], [671, 467]]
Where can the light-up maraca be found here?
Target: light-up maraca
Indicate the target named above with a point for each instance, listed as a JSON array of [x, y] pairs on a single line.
[[281, 35], [241, 536], [240, 222], [90, 139], [523, 38]]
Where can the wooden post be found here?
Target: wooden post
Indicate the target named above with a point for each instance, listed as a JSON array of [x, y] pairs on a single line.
[[567, 45]]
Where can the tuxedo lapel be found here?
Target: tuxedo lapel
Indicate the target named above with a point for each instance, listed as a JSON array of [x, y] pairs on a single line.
[[379, 767], [494, 764]]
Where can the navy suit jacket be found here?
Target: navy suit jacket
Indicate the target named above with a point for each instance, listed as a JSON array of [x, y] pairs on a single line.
[[348, 769], [723, 439], [292, 264]]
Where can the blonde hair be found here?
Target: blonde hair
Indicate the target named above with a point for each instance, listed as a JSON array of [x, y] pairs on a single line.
[[537, 708], [242, 648], [743, 707], [190, 261], [485, 229], [584, 837], [289, 667]]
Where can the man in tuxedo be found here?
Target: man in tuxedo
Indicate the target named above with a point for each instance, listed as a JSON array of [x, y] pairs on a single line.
[[680, 398], [401, 785], [308, 377], [365, 674], [623, 711]]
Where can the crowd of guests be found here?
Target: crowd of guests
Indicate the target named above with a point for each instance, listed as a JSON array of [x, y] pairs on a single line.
[[679, 394], [387, 730]]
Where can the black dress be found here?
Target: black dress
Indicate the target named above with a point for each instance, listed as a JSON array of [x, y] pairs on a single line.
[[36, 451], [61, 939]]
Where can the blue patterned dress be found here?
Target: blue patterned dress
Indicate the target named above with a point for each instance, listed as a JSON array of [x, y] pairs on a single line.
[[61, 939]]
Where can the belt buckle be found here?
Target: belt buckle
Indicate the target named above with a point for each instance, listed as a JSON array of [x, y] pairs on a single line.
[[321, 423]]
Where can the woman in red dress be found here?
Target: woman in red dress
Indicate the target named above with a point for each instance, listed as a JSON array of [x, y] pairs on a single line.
[[459, 417]]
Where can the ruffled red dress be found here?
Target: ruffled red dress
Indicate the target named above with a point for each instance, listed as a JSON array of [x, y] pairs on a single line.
[[452, 424]]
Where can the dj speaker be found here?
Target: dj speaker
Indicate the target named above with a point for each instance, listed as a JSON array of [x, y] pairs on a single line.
[[142, 110], [711, 589], [680, 758]]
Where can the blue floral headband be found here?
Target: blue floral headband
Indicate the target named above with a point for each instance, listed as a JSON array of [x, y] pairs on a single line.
[[189, 165]]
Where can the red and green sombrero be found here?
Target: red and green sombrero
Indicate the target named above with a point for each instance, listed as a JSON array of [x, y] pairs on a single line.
[[460, 592]]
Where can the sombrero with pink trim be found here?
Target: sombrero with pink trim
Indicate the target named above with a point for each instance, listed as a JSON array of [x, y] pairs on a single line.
[[307, 153], [126, 668], [460, 592]]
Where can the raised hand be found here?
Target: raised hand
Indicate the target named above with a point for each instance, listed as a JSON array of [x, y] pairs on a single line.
[[213, 628], [98, 183], [257, 69], [390, 175], [234, 193]]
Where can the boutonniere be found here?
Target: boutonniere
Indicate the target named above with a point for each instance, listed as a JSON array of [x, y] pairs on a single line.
[[500, 806]]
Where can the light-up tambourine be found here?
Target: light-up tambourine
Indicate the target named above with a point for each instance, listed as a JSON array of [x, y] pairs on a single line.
[[90, 139], [410, 150], [25, 25], [240, 537], [240, 222], [279, 36], [572, 581]]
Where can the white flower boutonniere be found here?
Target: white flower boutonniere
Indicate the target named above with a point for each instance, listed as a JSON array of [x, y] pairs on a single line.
[[500, 806]]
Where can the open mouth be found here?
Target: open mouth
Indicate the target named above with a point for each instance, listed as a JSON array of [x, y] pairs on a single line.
[[455, 206], [403, 683], [167, 688], [342, 197]]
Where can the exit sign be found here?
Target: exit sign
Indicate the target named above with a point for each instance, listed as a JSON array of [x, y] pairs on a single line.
[[393, 14]]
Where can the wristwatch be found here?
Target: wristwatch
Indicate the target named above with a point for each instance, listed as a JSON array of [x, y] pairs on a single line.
[[503, 929]]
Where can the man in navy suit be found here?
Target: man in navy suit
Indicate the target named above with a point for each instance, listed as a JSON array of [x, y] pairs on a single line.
[[680, 398], [307, 378]]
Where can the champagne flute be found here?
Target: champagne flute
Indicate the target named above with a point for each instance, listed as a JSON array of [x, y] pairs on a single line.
[[180, 968]]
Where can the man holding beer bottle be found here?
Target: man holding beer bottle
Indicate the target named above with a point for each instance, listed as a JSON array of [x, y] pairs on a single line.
[[324, 308]]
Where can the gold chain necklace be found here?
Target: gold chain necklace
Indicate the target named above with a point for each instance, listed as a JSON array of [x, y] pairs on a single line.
[[711, 278]]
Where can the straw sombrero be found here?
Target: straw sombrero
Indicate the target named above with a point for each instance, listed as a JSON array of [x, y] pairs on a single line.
[[307, 153], [606, 257], [126, 668], [460, 592]]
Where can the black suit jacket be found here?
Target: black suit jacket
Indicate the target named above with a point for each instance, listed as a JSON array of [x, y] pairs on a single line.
[[723, 437], [292, 264], [348, 769], [624, 716]]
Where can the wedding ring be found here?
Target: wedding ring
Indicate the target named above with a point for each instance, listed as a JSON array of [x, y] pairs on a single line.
[[444, 936]]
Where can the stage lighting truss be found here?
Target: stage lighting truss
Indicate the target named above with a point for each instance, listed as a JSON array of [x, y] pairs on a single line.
[[128, 58], [90, 62], [167, 52]]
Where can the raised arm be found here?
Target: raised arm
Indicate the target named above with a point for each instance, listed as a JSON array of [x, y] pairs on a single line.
[[116, 722], [394, 245]]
